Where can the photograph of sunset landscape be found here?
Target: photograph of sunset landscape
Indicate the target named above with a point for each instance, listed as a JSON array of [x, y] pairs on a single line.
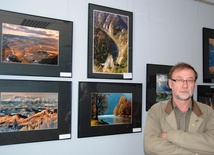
[[29, 45]]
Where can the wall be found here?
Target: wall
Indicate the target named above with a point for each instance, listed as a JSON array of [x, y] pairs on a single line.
[[164, 32]]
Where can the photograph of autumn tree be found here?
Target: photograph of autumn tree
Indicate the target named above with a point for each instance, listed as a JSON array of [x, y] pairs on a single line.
[[111, 108], [24, 111], [163, 92], [110, 42], [29, 45]]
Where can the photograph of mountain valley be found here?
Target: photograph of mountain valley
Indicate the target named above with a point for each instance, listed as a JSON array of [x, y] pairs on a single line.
[[111, 43], [24, 111], [29, 45]]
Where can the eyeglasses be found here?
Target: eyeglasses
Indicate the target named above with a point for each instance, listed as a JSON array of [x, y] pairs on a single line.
[[181, 81]]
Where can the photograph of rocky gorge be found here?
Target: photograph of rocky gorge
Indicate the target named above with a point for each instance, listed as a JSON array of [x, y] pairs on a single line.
[[110, 43], [29, 45], [24, 111]]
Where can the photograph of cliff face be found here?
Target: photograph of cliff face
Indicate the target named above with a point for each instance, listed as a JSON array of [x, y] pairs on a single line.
[[20, 111], [111, 43], [111, 108], [29, 45]]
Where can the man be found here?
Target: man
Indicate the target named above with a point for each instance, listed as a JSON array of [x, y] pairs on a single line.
[[181, 125]]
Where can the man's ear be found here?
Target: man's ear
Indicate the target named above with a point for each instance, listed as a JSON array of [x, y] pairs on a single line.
[[170, 83]]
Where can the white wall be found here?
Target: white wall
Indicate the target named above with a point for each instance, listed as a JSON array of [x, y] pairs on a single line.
[[164, 32]]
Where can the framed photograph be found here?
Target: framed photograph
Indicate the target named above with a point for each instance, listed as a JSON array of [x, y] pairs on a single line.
[[157, 88], [109, 108], [109, 43], [34, 111], [35, 46], [206, 94], [208, 55]]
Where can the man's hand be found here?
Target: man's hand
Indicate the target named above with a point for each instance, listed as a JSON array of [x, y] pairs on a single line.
[[163, 135]]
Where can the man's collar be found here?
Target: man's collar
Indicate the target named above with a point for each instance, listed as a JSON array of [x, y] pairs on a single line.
[[175, 105], [195, 107]]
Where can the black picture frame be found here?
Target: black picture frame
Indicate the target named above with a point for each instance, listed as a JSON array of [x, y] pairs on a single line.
[[86, 92], [109, 49], [205, 94], [32, 54], [23, 107], [153, 94], [208, 55]]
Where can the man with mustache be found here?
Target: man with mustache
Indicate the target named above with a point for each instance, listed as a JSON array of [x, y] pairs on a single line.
[[181, 125]]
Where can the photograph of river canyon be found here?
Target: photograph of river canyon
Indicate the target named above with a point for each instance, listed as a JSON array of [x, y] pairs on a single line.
[[110, 43]]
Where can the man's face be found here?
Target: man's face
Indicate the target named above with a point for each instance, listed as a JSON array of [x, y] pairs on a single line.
[[182, 84]]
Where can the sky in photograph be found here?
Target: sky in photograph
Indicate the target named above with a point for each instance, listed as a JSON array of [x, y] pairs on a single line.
[[29, 31]]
